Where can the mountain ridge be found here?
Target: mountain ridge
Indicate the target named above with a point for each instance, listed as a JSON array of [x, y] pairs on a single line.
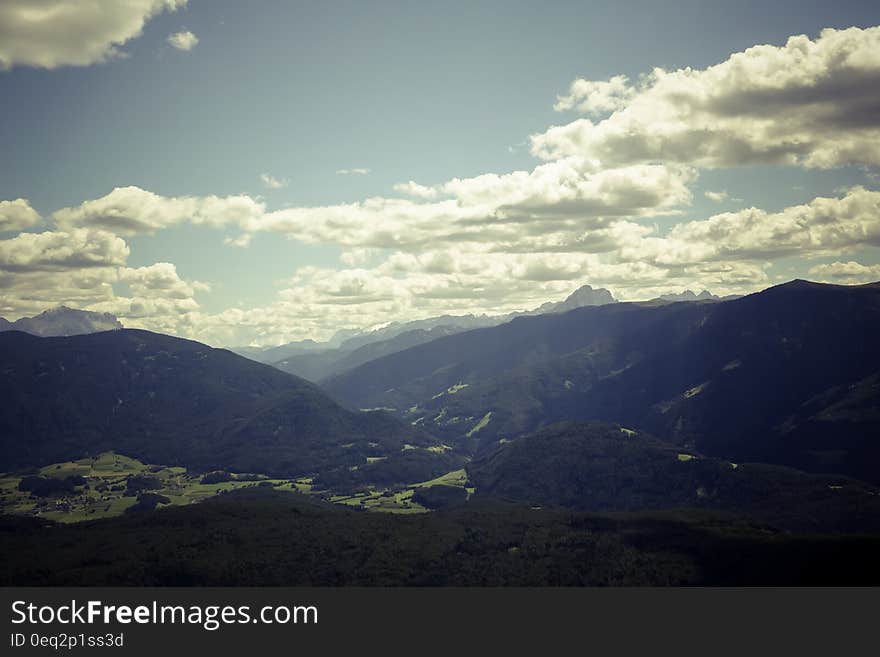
[[318, 363], [176, 401], [354, 338], [729, 378]]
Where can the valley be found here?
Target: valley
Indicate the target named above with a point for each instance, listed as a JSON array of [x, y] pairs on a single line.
[[680, 433]]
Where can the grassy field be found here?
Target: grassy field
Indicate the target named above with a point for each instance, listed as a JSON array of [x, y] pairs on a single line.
[[107, 490], [400, 501], [480, 425]]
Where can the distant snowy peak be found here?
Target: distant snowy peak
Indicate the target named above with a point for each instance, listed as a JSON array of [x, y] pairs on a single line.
[[352, 339], [63, 321], [689, 295]]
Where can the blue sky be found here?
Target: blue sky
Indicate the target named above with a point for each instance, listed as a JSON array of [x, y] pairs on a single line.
[[340, 102]]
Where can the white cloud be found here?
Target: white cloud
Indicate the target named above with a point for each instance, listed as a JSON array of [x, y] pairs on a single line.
[[62, 250], [821, 227], [522, 251], [82, 269], [157, 299], [185, 40], [516, 210], [79, 267], [159, 280], [727, 253], [41, 270], [846, 272], [511, 241], [53, 33], [132, 210], [356, 257], [810, 102], [271, 182], [17, 215], [317, 301], [26, 293], [416, 190], [558, 200], [360, 171], [591, 97]]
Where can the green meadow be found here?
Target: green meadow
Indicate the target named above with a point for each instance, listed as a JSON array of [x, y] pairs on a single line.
[[111, 484]]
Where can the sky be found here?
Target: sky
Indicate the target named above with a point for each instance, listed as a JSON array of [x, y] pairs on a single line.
[[261, 172]]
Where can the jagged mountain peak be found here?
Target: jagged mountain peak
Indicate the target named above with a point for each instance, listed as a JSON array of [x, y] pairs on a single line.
[[63, 321]]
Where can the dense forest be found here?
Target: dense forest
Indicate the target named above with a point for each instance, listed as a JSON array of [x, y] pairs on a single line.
[[260, 537]]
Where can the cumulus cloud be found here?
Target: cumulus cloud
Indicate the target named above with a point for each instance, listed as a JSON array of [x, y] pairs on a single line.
[[41, 270], [810, 102], [360, 171], [356, 257], [17, 215], [728, 253], [443, 266], [62, 250], [597, 210], [53, 33], [27, 293], [591, 97], [185, 40], [416, 190], [84, 268], [271, 182], [556, 199], [159, 280], [157, 299], [846, 272], [821, 227], [317, 301], [132, 210], [510, 211]]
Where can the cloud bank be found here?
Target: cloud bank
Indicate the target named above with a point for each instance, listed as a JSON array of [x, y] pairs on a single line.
[[604, 205]]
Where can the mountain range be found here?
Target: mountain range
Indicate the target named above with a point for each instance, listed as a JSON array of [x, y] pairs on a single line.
[[724, 437], [315, 362], [788, 375]]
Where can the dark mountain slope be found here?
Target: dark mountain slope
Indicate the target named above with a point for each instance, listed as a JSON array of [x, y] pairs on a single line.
[[420, 372], [744, 379], [754, 380], [348, 349], [602, 467], [318, 365], [172, 401]]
